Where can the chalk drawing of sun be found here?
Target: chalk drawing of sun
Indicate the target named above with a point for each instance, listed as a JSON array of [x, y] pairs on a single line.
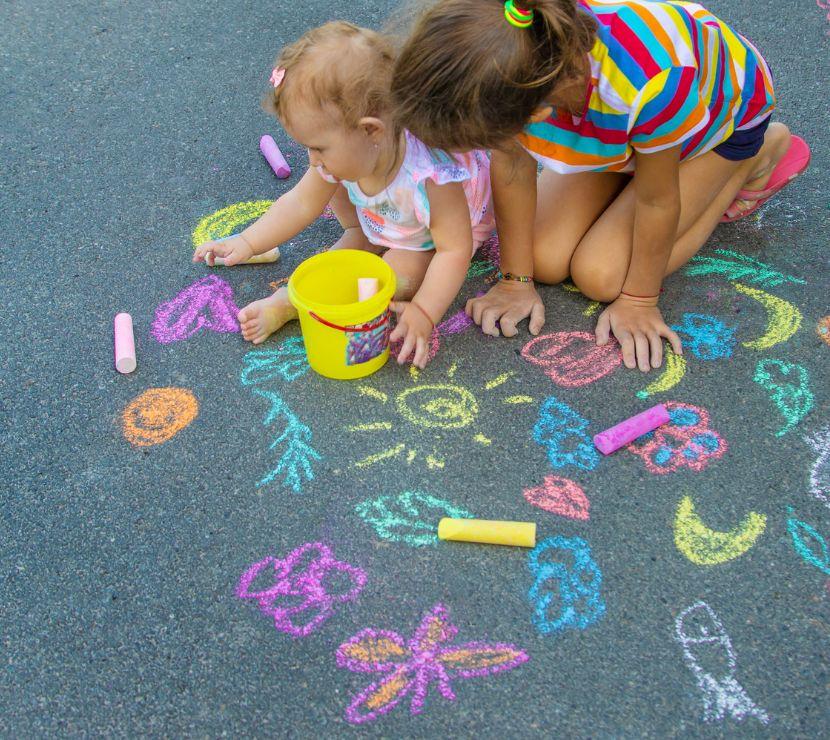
[[431, 409]]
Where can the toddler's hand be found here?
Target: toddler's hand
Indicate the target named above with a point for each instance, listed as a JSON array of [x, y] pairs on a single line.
[[415, 328], [507, 302], [234, 250], [639, 328]]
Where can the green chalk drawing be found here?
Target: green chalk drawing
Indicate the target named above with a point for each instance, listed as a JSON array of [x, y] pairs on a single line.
[[736, 266], [410, 517], [794, 400]]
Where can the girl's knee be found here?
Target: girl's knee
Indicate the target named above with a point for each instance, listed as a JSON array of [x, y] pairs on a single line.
[[597, 281], [551, 263]]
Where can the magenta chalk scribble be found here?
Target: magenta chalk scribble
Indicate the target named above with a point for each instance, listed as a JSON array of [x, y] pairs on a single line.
[[299, 599], [458, 323], [412, 667], [207, 304]]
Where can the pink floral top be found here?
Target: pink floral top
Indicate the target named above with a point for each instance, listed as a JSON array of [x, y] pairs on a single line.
[[398, 216]]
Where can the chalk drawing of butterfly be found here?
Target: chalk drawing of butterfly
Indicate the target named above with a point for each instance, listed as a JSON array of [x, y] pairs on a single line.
[[410, 668]]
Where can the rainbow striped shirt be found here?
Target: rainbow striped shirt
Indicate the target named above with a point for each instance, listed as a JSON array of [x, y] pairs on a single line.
[[663, 74]]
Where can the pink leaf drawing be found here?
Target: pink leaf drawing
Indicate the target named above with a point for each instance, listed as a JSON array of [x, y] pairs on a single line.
[[560, 496], [207, 304]]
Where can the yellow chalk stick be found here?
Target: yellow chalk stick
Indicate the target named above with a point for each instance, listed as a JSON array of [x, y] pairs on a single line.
[[520, 534]]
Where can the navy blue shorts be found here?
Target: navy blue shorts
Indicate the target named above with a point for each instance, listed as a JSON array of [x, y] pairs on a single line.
[[744, 144]]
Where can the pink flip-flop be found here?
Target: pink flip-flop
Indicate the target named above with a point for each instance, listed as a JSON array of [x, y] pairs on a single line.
[[792, 164]]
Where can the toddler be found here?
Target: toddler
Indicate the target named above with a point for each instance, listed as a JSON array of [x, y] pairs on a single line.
[[425, 210]]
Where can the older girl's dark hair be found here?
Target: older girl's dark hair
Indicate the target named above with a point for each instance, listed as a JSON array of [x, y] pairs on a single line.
[[466, 78]]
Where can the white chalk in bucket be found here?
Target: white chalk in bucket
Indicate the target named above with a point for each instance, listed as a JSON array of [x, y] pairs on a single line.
[[366, 288], [124, 343]]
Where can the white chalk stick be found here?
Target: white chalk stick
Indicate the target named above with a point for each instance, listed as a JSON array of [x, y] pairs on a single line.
[[124, 343], [366, 288]]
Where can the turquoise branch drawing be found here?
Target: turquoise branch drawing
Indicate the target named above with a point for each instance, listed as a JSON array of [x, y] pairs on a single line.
[[296, 458], [735, 266]]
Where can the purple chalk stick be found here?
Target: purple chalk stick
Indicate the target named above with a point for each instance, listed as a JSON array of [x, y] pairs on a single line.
[[627, 431], [272, 153]]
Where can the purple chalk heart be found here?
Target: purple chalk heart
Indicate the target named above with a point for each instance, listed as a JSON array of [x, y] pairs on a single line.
[[207, 304]]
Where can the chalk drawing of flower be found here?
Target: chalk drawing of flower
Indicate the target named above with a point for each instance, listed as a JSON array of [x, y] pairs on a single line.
[[429, 657], [300, 596]]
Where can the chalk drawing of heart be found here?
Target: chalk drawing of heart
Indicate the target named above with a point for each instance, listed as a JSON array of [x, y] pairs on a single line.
[[207, 304], [560, 496], [572, 358]]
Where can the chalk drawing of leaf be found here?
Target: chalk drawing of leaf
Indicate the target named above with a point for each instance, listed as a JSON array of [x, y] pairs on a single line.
[[288, 361], [736, 266], [410, 517]]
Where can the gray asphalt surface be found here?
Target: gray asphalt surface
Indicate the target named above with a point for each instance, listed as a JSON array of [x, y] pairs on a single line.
[[123, 125]]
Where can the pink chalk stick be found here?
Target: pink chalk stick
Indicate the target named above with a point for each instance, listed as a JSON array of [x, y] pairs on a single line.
[[627, 431], [272, 153], [124, 343], [366, 288]]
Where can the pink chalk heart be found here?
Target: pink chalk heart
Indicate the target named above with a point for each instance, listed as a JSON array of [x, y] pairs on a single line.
[[207, 304], [572, 358], [560, 496]]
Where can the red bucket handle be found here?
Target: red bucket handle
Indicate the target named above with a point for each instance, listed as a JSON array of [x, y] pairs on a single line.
[[351, 329]]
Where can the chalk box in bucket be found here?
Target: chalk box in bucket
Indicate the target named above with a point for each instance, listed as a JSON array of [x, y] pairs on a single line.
[[344, 338]]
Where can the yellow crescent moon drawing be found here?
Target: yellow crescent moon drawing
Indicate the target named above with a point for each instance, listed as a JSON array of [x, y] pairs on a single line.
[[226, 220], [672, 375], [783, 318], [704, 546]]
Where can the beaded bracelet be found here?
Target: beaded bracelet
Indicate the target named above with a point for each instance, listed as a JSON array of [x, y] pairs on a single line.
[[515, 278]]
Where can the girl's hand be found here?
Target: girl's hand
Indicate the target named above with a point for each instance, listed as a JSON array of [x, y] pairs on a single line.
[[507, 302], [639, 327], [234, 250], [415, 328]]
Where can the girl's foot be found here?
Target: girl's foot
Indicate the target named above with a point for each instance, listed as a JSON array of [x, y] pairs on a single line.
[[260, 319], [781, 159]]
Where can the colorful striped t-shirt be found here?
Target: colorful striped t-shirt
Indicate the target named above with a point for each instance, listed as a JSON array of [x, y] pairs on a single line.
[[663, 74]]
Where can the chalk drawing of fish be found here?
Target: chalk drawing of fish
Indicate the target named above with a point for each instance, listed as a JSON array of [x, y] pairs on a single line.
[[703, 637]]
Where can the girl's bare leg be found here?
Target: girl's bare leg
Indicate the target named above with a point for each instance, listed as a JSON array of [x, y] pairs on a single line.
[[566, 208], [708, 185]]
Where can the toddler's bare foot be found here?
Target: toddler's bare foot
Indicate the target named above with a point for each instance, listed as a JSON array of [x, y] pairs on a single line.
[[260, 319]]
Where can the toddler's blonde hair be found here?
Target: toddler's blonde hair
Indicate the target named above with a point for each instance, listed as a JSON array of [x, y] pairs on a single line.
[[337, 65]]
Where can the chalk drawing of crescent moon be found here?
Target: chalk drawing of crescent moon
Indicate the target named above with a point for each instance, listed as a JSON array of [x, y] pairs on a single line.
[[672, 375], [783, 318], [704, 546], [226, 221]]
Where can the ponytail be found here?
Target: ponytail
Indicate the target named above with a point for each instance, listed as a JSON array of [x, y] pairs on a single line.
[[467, 78]]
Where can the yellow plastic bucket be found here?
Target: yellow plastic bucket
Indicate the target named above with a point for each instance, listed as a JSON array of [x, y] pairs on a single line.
[[344, 338]]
